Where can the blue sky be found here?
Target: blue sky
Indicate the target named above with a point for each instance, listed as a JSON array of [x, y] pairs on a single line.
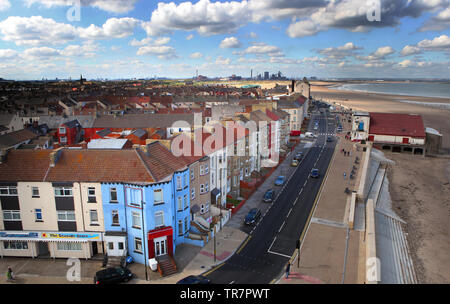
[[140, 38]]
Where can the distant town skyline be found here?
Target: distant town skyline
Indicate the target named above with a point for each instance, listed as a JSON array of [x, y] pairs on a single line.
[[119, 39]]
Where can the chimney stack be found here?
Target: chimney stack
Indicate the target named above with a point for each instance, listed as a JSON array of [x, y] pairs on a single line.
[[54, 156]]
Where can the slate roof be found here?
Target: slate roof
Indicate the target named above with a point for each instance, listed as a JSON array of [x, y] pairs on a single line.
[[136, 121], [11, 139]]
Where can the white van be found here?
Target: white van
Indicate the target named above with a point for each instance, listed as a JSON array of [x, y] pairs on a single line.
[[309, 135]]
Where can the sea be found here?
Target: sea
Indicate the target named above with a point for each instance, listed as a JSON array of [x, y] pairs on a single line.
[[422, 89]]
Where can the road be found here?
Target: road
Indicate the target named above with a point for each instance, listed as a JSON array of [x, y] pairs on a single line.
[[264, 254]]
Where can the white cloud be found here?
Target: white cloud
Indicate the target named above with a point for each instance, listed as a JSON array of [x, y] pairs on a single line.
[[381, 53], [409, 50], [189, 37], [112, 28], [196, 55], [222, 61], [87, 50], [230, 43], [439, 43], [263, 49], [112, 6], [205, 17], [4, 5], [40, 53], [157, 47], [439, 22], [7, 53], [36, 30]]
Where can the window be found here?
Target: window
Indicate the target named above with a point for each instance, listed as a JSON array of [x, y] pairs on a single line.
[[91, 194], [62, 130], [179, 204], [111, 245], [11, 191], [185, 201], [138, 244], [193, 193], [63, 191], [94, 216], [159, 219], [11, 215], [66, 216], [34, 191], [15, 245], [115, 217], [179, 182], [136, 219], [180, 227], [202, 170], [185, 183], [185, 224], [69, 246], [192, 174], [63, 139], [202, 208], [38, 215], [113, 194], [202, 188], [120, 245], [206, 169], [206, 187], [158, 196]]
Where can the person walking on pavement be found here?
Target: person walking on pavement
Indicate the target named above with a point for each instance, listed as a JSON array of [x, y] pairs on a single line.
[[288, 269], [9, 274]]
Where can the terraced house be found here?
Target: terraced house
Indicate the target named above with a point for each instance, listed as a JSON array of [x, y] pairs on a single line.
[[79, 203]]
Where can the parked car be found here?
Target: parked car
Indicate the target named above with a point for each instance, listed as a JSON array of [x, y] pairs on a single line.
[[269, 196], [298, 156], [294, 163], [194, 279], [329, 139], [315, 173], [113, 275], [252, 217], [280, 180]]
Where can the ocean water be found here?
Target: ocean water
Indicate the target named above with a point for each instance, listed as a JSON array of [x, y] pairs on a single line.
[[422, 89]]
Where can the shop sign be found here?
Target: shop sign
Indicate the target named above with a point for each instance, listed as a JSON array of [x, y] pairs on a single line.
[[19, 235], [59, 235]]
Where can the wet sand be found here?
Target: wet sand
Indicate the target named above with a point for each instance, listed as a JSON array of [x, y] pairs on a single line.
[[436, 116]]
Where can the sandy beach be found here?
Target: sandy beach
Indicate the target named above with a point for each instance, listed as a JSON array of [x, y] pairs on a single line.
[[419, 187], [435, 111]]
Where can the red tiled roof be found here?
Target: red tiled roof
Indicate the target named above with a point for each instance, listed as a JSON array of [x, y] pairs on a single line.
[[99, 166], [25, 165], [397, 124]]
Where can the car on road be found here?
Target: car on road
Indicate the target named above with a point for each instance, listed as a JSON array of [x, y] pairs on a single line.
[[269, 196], [194, 279], [280, 180], [329, 139], [294, 163], [298, 156], [309, 135], [315, 173], [113, 275], [252, 216], [316, 127]]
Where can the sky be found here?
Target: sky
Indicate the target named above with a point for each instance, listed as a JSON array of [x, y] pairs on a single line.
[[111, 39]]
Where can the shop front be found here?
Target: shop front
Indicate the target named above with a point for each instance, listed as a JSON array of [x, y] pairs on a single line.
[[50, 244]]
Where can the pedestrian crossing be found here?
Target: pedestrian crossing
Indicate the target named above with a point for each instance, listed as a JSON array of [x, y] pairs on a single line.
[[326, 134]]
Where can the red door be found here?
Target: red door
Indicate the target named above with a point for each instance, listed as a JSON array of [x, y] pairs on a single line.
[[405, 140], [371, 137]]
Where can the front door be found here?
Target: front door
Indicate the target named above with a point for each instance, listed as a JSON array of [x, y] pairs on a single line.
[[160, 246]]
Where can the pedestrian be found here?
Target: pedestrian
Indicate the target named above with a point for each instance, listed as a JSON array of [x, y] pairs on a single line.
[[288, 269], [345, 175], [9, 274]]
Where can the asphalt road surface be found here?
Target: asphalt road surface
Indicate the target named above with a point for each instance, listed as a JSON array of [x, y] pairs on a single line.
[[264, 254]]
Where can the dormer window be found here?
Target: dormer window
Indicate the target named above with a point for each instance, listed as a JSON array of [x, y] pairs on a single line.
[[62, 130]]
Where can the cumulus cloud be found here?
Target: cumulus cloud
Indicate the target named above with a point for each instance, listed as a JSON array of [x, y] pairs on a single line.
[[4, 5], [36, 30], [7, 53], [157, 47], [230, 43], [263, 49], [439, 22], [205, 17], [409, 50], [189, 37], [196, 55], [381, 53], [340, 52], [437, 44], [112, 28], [113, 6]]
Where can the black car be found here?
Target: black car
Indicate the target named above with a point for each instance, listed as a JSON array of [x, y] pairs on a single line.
[[194, 279], [113, 275], [329, 139], [269, 196], [252, 216]]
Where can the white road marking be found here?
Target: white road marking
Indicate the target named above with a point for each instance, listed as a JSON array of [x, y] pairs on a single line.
[[281, 226]]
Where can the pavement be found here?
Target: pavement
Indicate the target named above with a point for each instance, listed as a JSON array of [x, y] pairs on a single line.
[[342, 250]]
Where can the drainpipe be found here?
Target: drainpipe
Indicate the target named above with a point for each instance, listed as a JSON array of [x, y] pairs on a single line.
[[82, 212]]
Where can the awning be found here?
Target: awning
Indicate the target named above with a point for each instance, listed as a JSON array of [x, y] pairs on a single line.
[[215, 192]]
